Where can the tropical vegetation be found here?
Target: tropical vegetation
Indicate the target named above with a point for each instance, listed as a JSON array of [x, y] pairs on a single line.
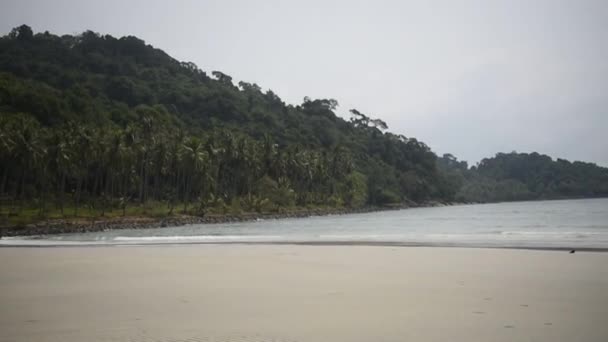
[[93, 125]]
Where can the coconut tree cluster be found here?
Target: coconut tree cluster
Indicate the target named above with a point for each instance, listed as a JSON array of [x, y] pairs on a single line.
[[92, 123], [110, 168]]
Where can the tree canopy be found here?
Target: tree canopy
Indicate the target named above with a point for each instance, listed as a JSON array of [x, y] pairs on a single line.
[[101, 121]]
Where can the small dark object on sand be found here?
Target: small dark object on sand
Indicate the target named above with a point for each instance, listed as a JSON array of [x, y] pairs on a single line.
[[572, 251]]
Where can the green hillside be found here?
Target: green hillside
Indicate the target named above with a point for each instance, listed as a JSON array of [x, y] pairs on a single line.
[[523, 176], [97, 124]]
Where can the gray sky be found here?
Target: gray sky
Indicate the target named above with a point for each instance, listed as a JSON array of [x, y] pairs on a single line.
[[470, 78]]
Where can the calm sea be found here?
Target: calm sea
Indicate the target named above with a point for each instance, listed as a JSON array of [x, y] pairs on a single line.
[[543, 224]]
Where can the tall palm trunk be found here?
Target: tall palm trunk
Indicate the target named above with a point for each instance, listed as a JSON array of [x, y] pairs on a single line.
[[142, 178], [77, 196], [43, 194], [124, 195], [4, 180], [21, 192], [62, 192], [186, 193], [95, 182]]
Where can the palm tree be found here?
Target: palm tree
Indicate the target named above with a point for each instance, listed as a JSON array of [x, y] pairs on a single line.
[[174, 172], [82, 144], [194, 164], [7, 149], [60, 155], [29, 152]]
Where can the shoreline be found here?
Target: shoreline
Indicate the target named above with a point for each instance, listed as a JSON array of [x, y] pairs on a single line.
[[401, 244], [68, 226], [84, 225]]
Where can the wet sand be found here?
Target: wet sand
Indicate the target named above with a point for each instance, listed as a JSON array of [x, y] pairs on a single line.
[[301, 293]]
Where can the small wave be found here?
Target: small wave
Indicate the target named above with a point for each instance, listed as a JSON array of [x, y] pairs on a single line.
[[534, 226], [491, 232], [19, 241], [196, 238], [362, 237], [550, 233]]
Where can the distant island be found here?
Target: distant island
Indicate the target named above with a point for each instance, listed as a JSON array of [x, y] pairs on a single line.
[[98, 127]]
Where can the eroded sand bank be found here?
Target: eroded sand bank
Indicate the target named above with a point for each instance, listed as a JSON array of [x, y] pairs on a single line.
[[301, 293]]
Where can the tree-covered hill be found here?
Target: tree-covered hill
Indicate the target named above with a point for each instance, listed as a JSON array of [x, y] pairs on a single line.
[[522, 176], [97, 123], [95, 120]]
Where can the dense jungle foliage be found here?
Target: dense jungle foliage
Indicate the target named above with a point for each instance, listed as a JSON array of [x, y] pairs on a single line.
[[100, 124]]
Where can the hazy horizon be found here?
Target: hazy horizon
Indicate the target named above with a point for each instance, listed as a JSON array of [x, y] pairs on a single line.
[[466, 78]]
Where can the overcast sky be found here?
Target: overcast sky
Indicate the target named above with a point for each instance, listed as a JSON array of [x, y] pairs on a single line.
[[471, 78]]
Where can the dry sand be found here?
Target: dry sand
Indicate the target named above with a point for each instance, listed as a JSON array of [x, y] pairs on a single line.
[[301, 293]]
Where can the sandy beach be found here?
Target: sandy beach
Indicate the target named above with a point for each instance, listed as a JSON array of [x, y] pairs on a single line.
[[301, 293]]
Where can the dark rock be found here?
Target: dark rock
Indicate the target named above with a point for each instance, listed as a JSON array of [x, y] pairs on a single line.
[[64, 226]]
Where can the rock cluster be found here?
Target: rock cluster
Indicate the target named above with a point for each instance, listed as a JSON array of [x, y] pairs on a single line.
[[82, 226]]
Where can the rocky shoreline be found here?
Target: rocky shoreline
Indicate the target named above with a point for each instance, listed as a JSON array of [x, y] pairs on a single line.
[[66, 226]]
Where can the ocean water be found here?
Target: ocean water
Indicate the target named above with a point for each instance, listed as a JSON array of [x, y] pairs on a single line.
[[579, 223]]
